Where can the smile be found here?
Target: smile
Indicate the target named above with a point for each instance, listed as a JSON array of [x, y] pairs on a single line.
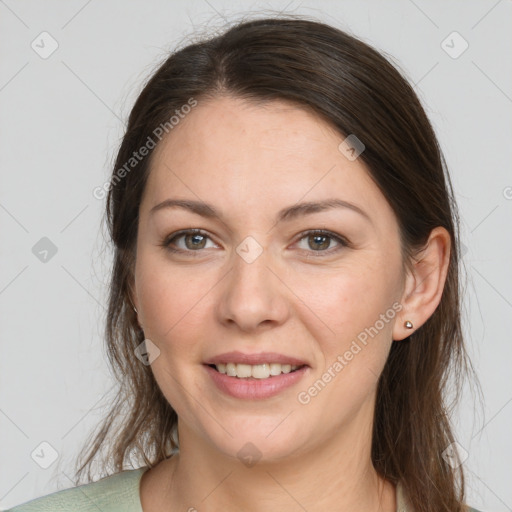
[[256, 371]]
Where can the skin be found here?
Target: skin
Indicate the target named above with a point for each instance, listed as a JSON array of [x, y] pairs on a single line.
[[250, 160]]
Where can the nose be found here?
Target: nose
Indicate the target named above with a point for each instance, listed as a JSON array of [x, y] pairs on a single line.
[[253, 295]]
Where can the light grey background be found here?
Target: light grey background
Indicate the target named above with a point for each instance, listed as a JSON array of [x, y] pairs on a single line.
[[61, 121]]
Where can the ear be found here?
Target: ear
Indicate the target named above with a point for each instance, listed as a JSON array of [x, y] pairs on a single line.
[[132, 295], [424, 284]]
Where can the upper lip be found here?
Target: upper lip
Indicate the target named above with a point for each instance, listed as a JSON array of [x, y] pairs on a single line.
[[259, 358]]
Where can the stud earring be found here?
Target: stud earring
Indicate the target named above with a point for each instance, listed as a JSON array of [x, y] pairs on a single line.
[[135, 309], [408, 324]]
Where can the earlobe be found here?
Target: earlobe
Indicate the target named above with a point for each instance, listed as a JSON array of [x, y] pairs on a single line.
[[132, 297], [424, 284], [134, 304]]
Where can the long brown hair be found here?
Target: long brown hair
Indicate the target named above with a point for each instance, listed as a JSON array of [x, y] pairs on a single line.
[[356, 90]]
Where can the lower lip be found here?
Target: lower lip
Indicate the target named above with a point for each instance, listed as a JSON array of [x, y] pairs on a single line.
[[255, 389]]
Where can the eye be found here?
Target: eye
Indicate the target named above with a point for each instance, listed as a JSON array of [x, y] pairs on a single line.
[[190, 240], [317, 241], [321, 241]]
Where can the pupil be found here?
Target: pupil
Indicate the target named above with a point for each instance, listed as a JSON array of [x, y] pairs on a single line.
[[195, 239], [322, 240]]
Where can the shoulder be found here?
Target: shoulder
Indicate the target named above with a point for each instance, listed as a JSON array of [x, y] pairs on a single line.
[[115, 493]]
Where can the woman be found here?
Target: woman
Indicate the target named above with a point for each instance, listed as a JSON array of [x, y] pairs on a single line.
[[284, 302]]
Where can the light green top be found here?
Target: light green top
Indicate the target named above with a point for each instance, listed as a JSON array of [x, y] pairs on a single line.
[[119, 493], [115, 493]]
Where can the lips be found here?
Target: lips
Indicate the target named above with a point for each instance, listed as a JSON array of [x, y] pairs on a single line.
[[255, 359], [255, 388], [255, 376]]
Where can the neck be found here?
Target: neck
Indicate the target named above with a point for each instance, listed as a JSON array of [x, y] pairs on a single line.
[[340, 480]]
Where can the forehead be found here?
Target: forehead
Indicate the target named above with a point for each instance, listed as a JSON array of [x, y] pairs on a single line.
[[226, 128], [258, 155]]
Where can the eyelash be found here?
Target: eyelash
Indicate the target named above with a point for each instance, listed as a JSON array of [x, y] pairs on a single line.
[[343, 242]]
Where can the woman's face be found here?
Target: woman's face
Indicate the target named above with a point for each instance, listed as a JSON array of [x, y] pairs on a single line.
[[261, 284]]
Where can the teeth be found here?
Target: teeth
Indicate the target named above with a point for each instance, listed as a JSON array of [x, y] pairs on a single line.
[[275, 369], [260, 371], [257, 371], [243, 370]]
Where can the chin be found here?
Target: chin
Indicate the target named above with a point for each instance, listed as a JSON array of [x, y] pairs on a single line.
[[261, 440]]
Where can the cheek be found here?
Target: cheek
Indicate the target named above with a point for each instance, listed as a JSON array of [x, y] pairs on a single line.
[[355, 347], [347, 301], [175, 302], [354, 335], [174, 305]]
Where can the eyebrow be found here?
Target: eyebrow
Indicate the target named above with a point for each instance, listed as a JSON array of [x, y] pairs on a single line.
[[286, 214]]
